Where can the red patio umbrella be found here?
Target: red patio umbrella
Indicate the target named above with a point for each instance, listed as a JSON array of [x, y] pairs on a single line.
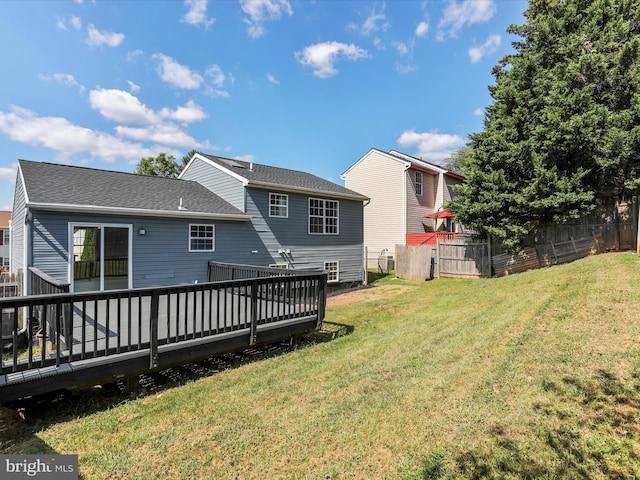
[[440, 214]]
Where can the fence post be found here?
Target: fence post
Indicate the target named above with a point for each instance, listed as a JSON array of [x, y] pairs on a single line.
[[153, 329], [437, 269], [253, 335], [575, 249]]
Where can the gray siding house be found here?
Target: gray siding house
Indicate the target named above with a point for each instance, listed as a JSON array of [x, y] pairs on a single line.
[[100, 230], [302, 221]]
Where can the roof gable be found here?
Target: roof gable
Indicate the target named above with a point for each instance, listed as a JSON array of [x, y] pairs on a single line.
[[408, 161], [265, 176], [50, 185]]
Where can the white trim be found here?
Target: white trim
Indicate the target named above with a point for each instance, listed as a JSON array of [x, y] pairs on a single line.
[[307, 191], [213, 238], [418, 162], [60, 207], [324, 216], [286, 196], [371, 152], [337, 270], [276, 186], [219, 167], [70, 252]]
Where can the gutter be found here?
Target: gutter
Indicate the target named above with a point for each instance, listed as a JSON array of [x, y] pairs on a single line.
[[93, 209], [326, 193]]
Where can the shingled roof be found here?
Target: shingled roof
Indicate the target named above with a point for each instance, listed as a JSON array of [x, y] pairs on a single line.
[[264, 176], [70, 188]]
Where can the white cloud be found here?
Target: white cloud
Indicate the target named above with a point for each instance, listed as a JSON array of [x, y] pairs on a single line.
[[431, 146], [478, 112], [121, 106], [197, 14], [188, 113], [178, 75], [401, 47], [134, 55], [216, 81], [375, 22], [457, 15], [273, 80], [73, 21], [64, 78], [76, 22], [322, 56], [60, 135], [422, 29], [260, 11], [487, 48], [8, 174], [133, 87], [161, 133], [98, 38]]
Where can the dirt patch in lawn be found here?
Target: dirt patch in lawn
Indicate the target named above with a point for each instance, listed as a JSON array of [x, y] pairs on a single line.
[[367, 294]]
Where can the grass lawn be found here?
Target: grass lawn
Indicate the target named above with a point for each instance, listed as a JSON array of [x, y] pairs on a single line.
[[535, 375]]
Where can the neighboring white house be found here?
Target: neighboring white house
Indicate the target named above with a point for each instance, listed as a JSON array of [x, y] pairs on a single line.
[[5, 240], [402, 189]]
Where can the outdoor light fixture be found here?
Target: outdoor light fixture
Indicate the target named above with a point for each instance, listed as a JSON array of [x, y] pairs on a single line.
[[142, 231]]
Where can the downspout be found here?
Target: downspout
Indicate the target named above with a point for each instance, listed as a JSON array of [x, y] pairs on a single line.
[[26, 261], [404, 207]]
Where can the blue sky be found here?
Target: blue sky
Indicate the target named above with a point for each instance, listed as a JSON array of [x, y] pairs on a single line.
[[307, 85]]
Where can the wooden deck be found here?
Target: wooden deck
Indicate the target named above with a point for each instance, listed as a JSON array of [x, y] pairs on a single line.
[[95, 337]]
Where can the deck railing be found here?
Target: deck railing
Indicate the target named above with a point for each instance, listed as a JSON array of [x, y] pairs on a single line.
[[220, 272], [43, 284], [83, 326]]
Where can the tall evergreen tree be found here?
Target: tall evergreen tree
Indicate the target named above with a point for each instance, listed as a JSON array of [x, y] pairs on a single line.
[[563, 132]]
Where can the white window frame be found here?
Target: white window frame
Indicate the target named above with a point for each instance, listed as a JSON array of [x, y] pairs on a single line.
[[324, 217], [419, 183], [331, 272], [213, 237], [71, 227], [274, 205]]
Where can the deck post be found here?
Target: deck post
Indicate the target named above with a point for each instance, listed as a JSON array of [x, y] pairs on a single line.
[[153, 332], [254, 313]]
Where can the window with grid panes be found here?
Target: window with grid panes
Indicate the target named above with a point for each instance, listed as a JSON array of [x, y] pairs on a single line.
[[201, 238], [332, 271], [278, 205], [323, 216]]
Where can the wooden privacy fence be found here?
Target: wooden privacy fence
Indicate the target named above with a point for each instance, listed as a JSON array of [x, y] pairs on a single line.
[[472, 259]]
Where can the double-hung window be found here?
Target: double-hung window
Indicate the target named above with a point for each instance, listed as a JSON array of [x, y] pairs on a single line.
[[418, 183], [323, 216], [201, 238], [278, 205]]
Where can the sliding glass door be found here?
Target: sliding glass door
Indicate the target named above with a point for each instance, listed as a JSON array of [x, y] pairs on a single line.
[[101, 257]]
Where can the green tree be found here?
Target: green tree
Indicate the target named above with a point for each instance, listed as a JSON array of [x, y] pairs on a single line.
[[563, 131], [161, 166]]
